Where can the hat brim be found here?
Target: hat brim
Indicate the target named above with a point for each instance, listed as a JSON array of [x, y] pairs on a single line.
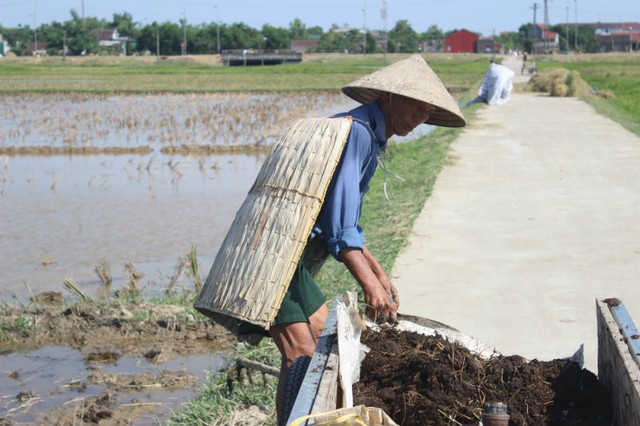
[[440, 117], [413, 78]]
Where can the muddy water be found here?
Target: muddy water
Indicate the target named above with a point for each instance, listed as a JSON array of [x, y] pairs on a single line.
[[61, 215], [58, 376]]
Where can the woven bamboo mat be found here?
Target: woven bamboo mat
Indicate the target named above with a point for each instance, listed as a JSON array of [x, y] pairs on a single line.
[[258, 257]]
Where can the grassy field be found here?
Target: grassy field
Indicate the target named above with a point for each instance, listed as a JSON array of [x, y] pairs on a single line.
[[205, 75], [618, 74]]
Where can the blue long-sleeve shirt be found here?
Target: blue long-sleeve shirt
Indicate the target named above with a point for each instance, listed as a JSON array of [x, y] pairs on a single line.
[[338, 221]]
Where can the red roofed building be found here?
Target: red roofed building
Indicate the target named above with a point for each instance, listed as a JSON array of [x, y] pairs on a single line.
[[546, 41], [463, 41]]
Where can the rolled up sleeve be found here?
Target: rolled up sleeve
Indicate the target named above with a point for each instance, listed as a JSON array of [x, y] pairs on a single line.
[[340, 214]]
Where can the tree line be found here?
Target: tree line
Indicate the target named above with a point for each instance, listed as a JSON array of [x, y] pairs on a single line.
[[75, 36]]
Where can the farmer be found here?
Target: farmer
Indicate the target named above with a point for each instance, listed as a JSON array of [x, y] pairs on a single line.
[[395, 100], [496, 87]]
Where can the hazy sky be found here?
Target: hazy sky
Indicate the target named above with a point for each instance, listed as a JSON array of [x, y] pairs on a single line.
[[484, 16]]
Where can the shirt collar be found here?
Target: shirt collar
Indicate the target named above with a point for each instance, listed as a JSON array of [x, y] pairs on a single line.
[[372, 114]]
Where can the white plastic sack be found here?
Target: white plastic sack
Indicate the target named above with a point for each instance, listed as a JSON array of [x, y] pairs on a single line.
[[351, 352], [497, 85]]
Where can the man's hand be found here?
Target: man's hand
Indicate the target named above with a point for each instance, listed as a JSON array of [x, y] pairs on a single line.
[[379, 304], [380, 295]]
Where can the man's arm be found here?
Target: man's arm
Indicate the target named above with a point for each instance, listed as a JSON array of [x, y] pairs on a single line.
[[382, 276], [376, 285]]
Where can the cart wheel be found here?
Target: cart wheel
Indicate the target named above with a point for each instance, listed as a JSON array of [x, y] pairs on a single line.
[[292, 385]]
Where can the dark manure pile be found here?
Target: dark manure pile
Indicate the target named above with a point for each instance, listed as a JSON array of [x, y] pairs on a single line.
[[427, 380]]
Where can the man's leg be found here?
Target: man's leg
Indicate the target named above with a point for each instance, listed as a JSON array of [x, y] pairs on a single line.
[[295, 340]]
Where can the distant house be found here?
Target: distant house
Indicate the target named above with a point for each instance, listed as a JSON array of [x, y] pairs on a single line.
[[618, 37], [4, 47], [462, 41], [604, 28], [545, 40], [487, 45], [111, 38], [304, 46], [619, 42], [431, 46], [38, 48], [106, 37]]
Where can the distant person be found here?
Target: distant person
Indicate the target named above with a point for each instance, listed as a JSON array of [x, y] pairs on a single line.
[[496, 87]]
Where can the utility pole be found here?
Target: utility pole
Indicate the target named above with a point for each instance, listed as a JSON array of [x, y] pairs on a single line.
[[184, 32], [35, 33], [218, 28], [157, 42], [364, 29], [575, 40], [383, 14], [535, 27], [566, 42], [545, 31]]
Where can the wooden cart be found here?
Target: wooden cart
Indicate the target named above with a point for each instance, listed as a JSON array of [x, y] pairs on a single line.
[[528, 67]]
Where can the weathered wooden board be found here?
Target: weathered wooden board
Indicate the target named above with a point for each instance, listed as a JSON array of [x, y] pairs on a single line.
[[329, 393], [617, 367]]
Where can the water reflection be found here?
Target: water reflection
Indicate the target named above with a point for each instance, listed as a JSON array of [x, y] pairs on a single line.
[[60, 215]]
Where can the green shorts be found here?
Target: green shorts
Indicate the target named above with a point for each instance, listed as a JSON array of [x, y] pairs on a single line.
[[302, 299]]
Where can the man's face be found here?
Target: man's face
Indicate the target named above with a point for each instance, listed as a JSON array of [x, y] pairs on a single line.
[[404, 114]]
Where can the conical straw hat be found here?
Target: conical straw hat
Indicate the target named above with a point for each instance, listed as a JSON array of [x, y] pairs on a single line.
[[413, 78]]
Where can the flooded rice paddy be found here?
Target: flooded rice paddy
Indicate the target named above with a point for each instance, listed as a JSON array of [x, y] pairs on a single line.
[[61, 215]]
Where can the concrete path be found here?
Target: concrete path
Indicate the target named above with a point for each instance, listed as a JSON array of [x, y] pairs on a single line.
[[537, 215]]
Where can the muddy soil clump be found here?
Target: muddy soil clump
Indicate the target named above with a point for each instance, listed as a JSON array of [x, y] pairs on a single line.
[[427, 380], [143, 329]]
